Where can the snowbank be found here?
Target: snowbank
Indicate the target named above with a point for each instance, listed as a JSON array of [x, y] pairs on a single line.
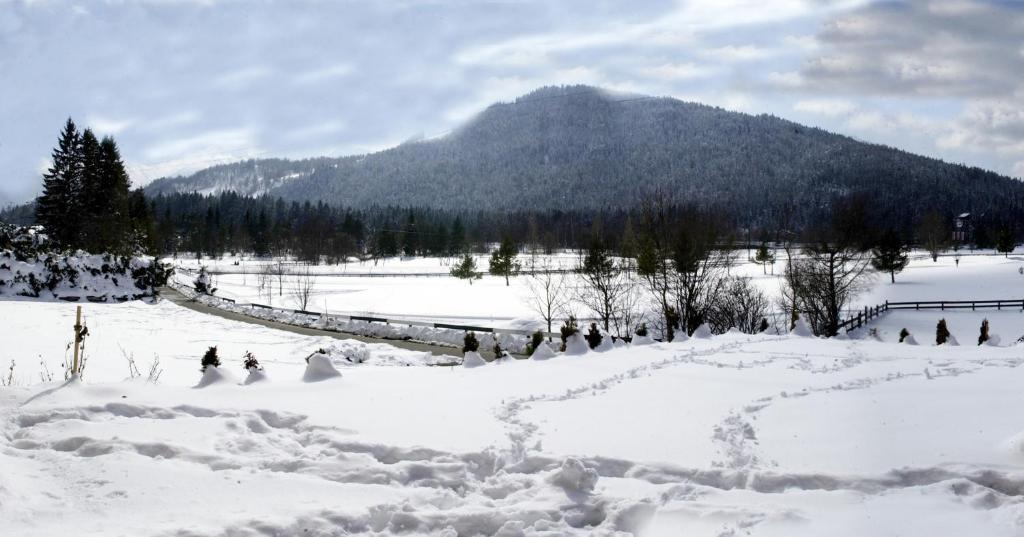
[[215, 375], [801, 328], [702, 332], [543, 352]]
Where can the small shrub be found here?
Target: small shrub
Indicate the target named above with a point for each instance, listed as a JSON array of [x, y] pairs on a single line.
[[593, 336], [941, 332], [568, 329], [903, 334], [470, 343], [249, 361], [536, 340], [318, 351], [763, 327], [642, 330], [210, 359], [498, 351], [983, 337]]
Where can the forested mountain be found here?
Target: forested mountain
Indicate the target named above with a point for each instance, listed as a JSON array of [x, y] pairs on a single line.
[[581, 148]]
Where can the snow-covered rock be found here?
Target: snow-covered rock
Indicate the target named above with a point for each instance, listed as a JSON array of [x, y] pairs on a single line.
[[473, 359], [318, 368], [214, 375], [575, 345]]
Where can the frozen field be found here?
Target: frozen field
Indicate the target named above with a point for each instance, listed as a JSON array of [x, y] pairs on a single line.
[[491, 303], [733, 435]]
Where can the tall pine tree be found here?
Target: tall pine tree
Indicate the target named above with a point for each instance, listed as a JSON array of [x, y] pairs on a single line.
[[58, 208]]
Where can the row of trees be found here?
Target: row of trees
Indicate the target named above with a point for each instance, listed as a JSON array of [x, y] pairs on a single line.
[[86, 202]]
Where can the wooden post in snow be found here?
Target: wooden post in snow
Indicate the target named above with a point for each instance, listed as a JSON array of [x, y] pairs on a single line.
[[78, 339]]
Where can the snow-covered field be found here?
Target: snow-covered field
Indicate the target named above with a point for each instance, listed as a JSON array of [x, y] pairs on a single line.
[[730, 435]]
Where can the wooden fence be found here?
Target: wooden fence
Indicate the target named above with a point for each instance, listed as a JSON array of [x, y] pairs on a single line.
[[872, 312]]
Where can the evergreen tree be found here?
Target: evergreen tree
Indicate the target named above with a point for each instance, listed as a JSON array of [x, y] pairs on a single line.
[[941, 332], [58, 209], [457, 239], [890, 255], [503, 260], [411, 239], [92, 195], [764, 258], [1006, 241], [466, 269]]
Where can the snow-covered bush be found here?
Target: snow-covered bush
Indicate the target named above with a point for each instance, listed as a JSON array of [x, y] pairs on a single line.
[[203, 283], [536, 340], [903, 334], [568, 329], [593, 336], [319, 367], [250, 363], [941, 332], [29, 266], [983, 336], [210, 359], [470, 343]]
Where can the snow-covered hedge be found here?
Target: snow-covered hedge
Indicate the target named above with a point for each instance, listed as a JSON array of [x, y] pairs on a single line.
[[30, 268]]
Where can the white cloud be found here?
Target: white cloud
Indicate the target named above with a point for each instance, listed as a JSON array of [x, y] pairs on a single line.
[[225, 141], [102, 125], [825, 107], [1018, 169], [676, 71], [241, 78], [323, 74]]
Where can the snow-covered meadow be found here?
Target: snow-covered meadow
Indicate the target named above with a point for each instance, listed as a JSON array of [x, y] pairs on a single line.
[[729, 435]]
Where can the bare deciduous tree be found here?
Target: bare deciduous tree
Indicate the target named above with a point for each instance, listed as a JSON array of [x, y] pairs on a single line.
[[303, 287], [548, 292], [741, 305]]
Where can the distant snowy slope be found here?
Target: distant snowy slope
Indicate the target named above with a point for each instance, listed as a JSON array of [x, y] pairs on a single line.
[[248, 178]]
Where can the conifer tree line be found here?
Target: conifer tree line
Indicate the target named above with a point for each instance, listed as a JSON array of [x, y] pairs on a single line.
[[86, 201]]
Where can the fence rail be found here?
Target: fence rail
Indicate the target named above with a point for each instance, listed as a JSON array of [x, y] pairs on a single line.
[[872, 312]]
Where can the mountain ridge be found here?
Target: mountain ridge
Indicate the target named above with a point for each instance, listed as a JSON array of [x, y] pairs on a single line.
[[579, 147]]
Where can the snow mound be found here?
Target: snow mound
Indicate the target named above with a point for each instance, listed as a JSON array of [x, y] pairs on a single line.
[[702, 332], [801, 328], [952, 342], [910, 340], [505, 358], [994, 340], [619, 343], [473, 359], [255, 375], [680, 336], [574, 477], [543, 352], [319, 367], [641, 340], [606, 344], [214, 375], [576, 345]]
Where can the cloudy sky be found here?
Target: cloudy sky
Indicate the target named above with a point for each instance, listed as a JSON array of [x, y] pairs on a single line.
[[187, 84]]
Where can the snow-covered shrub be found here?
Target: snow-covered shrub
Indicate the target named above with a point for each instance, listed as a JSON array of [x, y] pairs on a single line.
[[567, 330], [203, 283], [498, 352], [250, 363], [536, 340], [642, 330], [983, 336], [593, 336], [319, 367], [575, 345], [941, 332], [473, 359], [210, 359], [702, 332], [542, 352], [470, 343], [801, 328], [903, 334]]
